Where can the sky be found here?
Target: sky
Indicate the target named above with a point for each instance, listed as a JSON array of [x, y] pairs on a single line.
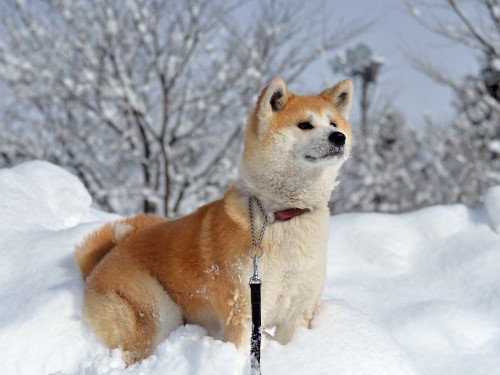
[[395, 30]]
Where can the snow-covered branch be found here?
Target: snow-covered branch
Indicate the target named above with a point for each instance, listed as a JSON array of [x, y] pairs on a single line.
[[147, 97]]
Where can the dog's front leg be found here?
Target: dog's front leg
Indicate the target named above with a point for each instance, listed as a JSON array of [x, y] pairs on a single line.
[[235, 314], [308, 315], [238, 325], [285, 331], [238, 334]]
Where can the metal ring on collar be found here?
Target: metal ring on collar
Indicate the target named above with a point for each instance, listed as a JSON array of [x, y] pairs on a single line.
[[255, 252], [270, 218]]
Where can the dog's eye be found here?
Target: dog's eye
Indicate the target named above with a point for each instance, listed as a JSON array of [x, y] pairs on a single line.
[[333, 124], [305, 125]]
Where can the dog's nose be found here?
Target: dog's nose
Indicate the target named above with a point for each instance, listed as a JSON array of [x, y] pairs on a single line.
[[337, 138]]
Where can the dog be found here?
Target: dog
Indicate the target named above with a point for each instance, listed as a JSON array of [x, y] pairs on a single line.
[[145, 275]]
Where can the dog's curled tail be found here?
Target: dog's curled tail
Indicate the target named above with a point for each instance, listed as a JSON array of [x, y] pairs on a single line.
[[98, 243]]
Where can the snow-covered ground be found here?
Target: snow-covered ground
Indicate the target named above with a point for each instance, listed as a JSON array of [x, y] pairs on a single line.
[[417, 293]]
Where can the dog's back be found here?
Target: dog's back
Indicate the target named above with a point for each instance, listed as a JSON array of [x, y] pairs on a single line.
[[98, 243]]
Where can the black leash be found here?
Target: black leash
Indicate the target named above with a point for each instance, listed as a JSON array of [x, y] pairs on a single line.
[[255, 283], [255, 340]]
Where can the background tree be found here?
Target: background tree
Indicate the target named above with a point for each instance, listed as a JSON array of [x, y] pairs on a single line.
[[396, 167], [145, 100], [385, 172], [362, 65], [390, 169], [468, 158]]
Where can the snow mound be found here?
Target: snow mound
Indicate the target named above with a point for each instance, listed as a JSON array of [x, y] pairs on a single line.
[[37, 193], [342, 341], [492, 204], [402, 291], [430, 278], [45, 212]]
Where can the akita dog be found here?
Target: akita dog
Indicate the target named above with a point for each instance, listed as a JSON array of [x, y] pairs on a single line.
[[145, 275]]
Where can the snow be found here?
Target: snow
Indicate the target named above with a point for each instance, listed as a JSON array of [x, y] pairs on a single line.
[[492, 205], [405, 294], [430, 278], [494, 146], [495, 64]]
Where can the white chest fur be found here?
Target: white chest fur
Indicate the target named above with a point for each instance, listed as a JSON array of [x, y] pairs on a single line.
[[293, 269]]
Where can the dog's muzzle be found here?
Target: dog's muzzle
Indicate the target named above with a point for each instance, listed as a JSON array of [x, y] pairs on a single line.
[[331, 149]]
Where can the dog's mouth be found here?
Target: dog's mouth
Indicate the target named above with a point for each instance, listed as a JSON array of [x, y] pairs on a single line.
[[336, 152]]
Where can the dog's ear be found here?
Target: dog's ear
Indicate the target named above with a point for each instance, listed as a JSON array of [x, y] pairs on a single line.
[[341, 97], [273, 98]]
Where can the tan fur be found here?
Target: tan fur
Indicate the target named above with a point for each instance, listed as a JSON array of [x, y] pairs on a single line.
[[145, 275], [97, 244]]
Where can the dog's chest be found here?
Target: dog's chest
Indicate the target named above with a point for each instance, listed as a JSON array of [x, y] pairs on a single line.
[[293, 270]]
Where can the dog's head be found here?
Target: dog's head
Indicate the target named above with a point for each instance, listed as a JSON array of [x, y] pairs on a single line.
[[292, 138]]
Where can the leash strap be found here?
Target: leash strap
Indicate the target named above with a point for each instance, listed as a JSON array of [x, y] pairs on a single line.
[[255, 282], [255, 340]]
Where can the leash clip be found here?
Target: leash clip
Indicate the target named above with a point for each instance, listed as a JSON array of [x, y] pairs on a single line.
[[255, 279]]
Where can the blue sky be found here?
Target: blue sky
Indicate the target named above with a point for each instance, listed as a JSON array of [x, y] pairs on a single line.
[[396, 30], [393, 31]]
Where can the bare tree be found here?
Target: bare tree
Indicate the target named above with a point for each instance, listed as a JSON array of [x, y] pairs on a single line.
[[397, 168], [390, 170], [477, 28], [145, 100], [361, 64], [467, 156]]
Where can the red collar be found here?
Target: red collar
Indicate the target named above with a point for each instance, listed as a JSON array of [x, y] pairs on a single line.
[[286, 214]]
